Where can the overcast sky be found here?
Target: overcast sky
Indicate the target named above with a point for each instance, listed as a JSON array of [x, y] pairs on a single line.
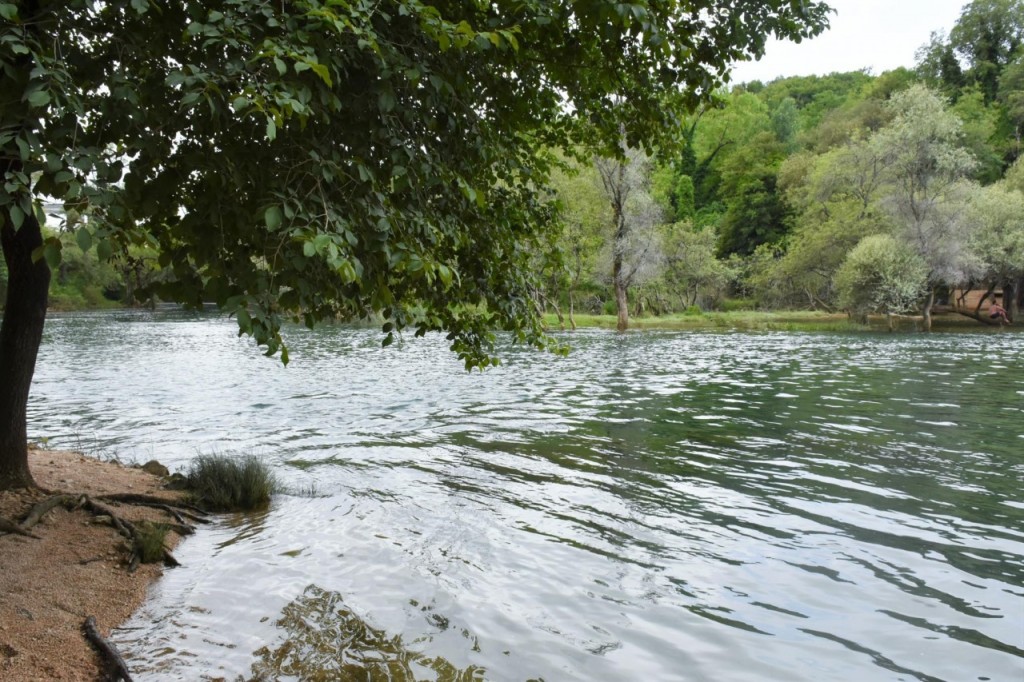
[[877, 34]]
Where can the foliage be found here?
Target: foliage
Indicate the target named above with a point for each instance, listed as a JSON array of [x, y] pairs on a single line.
[[225, 483], [881, 274], [149, 541], [691, 270], [314, 160], [997, 214], [925, 195], [987, 36], [581, 218]]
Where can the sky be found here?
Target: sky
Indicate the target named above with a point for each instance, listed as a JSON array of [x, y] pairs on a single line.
[[877, 34]]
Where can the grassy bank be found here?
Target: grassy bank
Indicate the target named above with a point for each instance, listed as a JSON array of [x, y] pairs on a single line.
[[786, 320]]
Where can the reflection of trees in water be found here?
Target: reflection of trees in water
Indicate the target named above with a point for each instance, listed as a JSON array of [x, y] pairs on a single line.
[[327, 641]]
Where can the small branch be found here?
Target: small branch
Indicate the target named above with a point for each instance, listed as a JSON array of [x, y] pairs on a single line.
[[8, 526], [114, 666]]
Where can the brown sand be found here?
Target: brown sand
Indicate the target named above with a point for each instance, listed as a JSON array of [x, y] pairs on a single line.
[[49, 586]]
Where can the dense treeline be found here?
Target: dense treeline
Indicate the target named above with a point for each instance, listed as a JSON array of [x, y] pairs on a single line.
[[855, 192], [843, 192]]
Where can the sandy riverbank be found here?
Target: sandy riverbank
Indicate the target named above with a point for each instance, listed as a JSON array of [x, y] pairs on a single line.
[[77, 569]]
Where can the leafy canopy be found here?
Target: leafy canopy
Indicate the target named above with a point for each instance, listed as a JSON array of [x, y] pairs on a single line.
[[325, 159]]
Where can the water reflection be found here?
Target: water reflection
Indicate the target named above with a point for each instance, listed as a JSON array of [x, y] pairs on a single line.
[[325, 641]]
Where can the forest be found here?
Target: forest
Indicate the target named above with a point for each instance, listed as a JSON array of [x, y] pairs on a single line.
[[847, 192], [882, 194]]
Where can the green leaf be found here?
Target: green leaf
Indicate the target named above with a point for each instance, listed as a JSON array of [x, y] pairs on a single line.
[[140, 6], [272, 216], [9, 11], [309, 249], [240, 102], [17, 217], [445, 273], [325, 75], [39, 98], [52, 253], [84, 238], [104, 250], [271, 128], [244, 321], [388, 340]]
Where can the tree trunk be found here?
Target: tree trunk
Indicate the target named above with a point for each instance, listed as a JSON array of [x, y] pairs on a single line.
[[572, 309], [621, 301], [21, 332], [926, 311], [1011, 298]]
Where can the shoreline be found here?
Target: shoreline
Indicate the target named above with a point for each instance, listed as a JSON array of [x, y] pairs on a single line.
[[75, 569]]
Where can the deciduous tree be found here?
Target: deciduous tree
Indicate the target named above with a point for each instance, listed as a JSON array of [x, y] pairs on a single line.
[[882, 274], [634, 252], [325, 159]]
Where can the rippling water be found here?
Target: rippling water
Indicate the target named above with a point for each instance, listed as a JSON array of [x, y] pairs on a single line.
[[657, 506]]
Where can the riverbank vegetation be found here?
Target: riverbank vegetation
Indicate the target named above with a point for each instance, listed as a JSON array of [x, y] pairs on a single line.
[[848, 194], [230, 483]]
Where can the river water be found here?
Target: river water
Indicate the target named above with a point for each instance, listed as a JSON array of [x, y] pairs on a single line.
[[656, 506]]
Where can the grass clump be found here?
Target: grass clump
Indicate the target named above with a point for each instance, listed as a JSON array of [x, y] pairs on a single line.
[[224, 483], [149, 541]]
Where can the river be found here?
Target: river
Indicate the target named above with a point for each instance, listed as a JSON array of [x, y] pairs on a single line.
[[655, 506]]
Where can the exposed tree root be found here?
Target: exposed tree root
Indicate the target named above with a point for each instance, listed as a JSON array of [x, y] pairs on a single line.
[[36, 514], [114, 667], [178, 510], [105, 514], [8, 526]]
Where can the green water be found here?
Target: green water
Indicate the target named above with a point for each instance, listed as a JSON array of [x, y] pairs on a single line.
[[658, 506]]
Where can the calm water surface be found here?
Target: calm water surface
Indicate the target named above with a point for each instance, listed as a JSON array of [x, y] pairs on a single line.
[[658, 506]]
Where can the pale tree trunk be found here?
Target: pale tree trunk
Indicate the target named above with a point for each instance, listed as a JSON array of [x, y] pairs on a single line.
[[926, 311], [572, 309], [21, 332]]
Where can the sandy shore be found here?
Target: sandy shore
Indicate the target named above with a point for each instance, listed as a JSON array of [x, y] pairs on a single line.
[[77, 569]]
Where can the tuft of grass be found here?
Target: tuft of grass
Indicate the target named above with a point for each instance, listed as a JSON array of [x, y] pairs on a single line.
[[149, 541], [225, 483]]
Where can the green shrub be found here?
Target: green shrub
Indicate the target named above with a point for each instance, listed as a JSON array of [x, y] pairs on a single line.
[[149, 541], [732, 304], [693, 311], [225, 483]]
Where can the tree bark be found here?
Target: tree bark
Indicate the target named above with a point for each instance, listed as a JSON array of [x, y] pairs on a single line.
[[618, 265], [21, 332], [1012, 291], [926, 310], [572, 309], [621, 300]]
